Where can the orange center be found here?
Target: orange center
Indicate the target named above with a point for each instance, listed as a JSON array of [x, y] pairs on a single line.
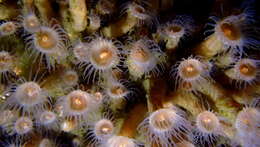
[[46, 40], [23, 125], [208, 121], [174, 29], [248, 118], [190, 71], [118, 90], [161, 121], [68, 125], [103, 57], [78, 103], [106, 129], [32, 22], [31, 92], [140, 55], [230, 31], [247, 70], [208, 124]]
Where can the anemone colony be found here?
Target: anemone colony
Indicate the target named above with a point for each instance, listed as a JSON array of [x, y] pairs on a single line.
[[129, 73]]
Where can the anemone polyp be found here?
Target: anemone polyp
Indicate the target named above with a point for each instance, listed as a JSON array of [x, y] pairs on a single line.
[[190, 69], [207, 122], [23, 125], [104, 55], [229, 32], [144, 57], [7, 116], [247, 126], [247, 121], [94, 22], [98, 97], [8, 28], [6, 64], [28, 97], [101, 130], [117, 90], [138, 11], [6, 61], [208, 128], [173, 32], [48, 120], [70, 78], [49, 41], [80, 51], [246, 70], [233, 33], [165, 124], [104, 128], [190, 73], [31, 23], [120, 141], [46, 40], [76, 105], [68, 125]]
